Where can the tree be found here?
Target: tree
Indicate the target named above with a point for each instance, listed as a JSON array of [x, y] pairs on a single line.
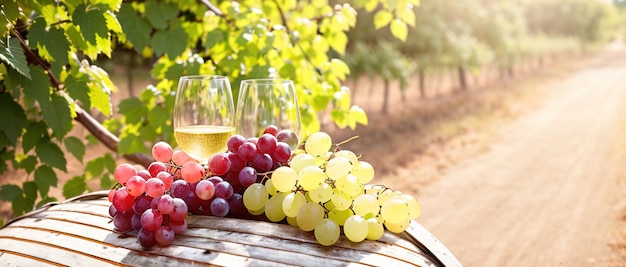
[[50, 78]]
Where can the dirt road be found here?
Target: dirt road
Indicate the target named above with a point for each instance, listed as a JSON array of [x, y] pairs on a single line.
[[546, 191]]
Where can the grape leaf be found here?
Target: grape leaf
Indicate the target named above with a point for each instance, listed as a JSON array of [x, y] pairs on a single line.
[[158, 116], [30, 190], [162, 42], [58, 115], [12, 117], [45, 178], [34, 132], [100, 99], [28, 164], [94, 167], [51, 154], [137, 28], [75, 146], [51, 42], [8, 192], [75, 37], [21, 205], [37, 88], [382, 19], [107, 181], [77, 88], [129, 144], [159, 13], [13, 54], [91, 21], [132, 109], [399, 29], [74, 187]]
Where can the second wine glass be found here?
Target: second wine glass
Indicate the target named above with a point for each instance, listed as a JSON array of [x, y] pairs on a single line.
[[203, 115], [265, 102]]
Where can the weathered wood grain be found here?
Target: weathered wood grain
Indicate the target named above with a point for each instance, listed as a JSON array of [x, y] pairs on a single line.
[[80, 232]]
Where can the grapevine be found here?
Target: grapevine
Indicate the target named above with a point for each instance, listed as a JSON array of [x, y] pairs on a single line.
[[317, 187]]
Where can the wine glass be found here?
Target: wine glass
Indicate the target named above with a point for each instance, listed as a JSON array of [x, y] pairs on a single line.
[[204, 115], [265, 102]]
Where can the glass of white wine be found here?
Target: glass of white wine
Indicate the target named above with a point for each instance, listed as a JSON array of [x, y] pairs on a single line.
[[265, 102], [204, 115]]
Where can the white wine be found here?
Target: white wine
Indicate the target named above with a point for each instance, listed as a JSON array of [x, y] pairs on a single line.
[[202, 141]]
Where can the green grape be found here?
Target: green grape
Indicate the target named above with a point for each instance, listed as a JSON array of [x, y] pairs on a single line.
[[365, 205], [300, 161], [349, 185], [355, 228], [292, 203], [309, 216], [321, 194], [374, 190], [340, 216], [311, 177], [340, 200], [364, 171], [318, 143], [338, 167], [415, 209], [274, 207], [292, 221], [322, 159], [395, 210], [375, 229], [327, 232], [255, 197], [269, 186], [284, 179], [257, 212], [347, 154], [397, 227], [386, 195]]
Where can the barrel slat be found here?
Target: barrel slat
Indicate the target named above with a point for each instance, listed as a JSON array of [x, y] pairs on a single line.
[[124, 250], [53, 253], [83, 228], [272, 241], [12, 258]]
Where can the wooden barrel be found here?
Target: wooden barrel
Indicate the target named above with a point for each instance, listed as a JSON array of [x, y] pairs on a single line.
[[79, 232]]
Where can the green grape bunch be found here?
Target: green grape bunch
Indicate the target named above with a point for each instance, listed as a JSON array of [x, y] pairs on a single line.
[[325, 189]]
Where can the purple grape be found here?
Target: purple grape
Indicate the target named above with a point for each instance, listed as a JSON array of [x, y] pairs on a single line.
[[192, 201], [112, 211], [215, 179], [180, 210], [263, 162], [266, 143], [247, 151], [247, 176], [235, 204], [236, 163], [234, 142], [282, 153], [122, 221], [289, 137], [219, 207], [146, 238], [164, 235], [271, 129], [179, 227], [136, 222], [223, 190], [180, 188], [151, 220], [165, 204], [142, 203]]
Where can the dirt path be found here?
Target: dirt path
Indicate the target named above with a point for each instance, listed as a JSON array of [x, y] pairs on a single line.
[[546, 191]]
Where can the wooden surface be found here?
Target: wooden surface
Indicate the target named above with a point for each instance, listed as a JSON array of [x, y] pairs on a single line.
[[79, 232]]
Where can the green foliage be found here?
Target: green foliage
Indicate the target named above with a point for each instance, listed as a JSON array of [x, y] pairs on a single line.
[[48, 72]]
